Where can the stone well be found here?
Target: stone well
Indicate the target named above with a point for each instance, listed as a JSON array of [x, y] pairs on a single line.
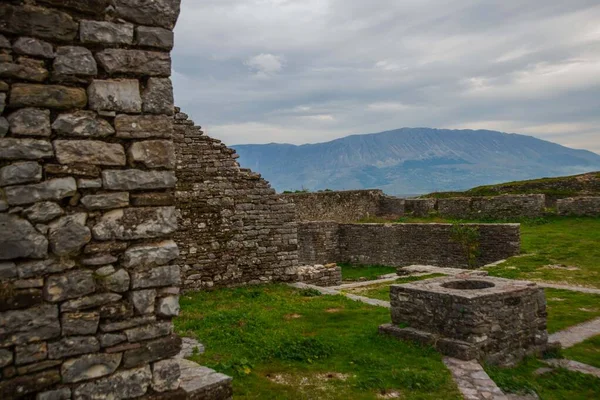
[[495, 320]]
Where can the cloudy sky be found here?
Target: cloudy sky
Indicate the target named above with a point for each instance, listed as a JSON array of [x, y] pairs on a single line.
[[306, 71]]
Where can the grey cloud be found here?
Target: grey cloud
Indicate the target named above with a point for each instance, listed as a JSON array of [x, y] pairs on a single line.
[[313, 70]]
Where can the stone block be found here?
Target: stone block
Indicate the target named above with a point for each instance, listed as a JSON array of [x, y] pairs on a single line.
[[90, 152], [106, 201], [19, 299], [125, 384], [54, 189], [25, 149], [4, 43], [82, 123], [150, 255], [58, 394], [111, 339], [143, 126], [105, 32], [52, 265], [93, 301], [127, 324], [168, 307], [74, 60], [73, 346], [152, 154], [19, 327], [69, 286], [22, 386], [69, 234], [83, 323], [44, 211], [136, 223], [154, 37], [147, 332], [86, 170], [115, 95], [90, 366], [23, 72], [47, 96], [4, 127], [33, 47], [152, 199], [8, 270], [134, 179], [141, 62], [165, 375], [161, 13], [30, 122], [143, 301], [156, 277], [6, 357], [30, 353], [89, 183], [158, 96], [116, 282], [18, 238], [19, 173], [151, 351], [97, 7], [100, 260], [37, 22]]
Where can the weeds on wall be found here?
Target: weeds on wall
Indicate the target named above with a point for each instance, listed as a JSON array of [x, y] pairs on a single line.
[[468, 238]]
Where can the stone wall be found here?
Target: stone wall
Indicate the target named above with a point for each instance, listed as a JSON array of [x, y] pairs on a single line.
[[506, 206], [403, 244], [579, 206], [87, 284], [420, 207], [320, 275], [344, 206], [318, 242], [234, 228]]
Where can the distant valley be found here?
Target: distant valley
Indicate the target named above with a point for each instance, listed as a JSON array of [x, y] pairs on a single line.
[[414, 161]]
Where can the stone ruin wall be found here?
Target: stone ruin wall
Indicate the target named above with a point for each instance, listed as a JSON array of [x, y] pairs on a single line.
[[345, 206], [506, 206], [402, 244], [88, 287], [579, 206], [234, 228]]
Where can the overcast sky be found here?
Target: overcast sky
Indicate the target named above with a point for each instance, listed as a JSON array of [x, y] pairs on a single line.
[[306, 71]]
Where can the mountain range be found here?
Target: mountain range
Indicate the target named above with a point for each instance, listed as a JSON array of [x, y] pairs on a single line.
[[414, 161]]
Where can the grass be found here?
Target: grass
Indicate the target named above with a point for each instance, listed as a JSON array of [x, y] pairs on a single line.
[[559, 384], [282, 343], [353, 273], [382, 291], [567, 308], [563, 250], [587, 352]]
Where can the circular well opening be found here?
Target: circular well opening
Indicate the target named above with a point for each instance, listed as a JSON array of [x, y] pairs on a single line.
[[468, 285]]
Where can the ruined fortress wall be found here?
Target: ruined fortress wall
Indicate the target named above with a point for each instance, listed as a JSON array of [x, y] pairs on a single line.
[[429, 244], [579, 206], [506, 206], [87, 284], [318, 242], [403, 244], [344, 206], [234, 228]]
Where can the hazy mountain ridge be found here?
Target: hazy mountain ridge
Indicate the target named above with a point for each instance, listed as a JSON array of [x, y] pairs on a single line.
[[414, 160]]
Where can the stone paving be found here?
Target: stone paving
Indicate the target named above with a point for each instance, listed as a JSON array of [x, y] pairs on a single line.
[[576, 334], [574, 366], [472, 381]]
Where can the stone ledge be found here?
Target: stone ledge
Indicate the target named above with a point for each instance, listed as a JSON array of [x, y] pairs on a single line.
[[201, 383]]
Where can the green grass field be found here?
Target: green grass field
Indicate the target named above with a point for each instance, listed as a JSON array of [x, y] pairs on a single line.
[[567, 308], [381, 291], [353, 273], [282, 343], [587, 352]]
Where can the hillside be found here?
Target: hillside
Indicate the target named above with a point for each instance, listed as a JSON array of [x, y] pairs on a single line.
[[414, 160], [564, 186]]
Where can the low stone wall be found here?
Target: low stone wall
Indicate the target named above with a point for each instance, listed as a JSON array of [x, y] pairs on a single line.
[[234, 228], [579, 206], [403, 244], [506, 206], [320, 275], [420, 207], [318, 242], [344, 206]]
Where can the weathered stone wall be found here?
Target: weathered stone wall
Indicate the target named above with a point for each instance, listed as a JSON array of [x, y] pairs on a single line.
[[234, 228], [318, 242], [506, 206], [579, 206], [320, 275], [344, 206], [403, 244], [87, 284], [420, 207]]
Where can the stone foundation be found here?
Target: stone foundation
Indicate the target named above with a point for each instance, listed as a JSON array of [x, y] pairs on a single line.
[[494, 320]]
